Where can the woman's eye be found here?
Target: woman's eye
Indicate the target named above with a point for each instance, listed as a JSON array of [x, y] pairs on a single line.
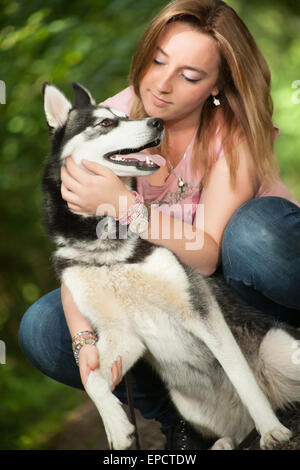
[[192, 80], [156, 61]]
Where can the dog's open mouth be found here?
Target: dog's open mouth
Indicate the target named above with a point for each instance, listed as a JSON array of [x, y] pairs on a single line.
[[135, 157]]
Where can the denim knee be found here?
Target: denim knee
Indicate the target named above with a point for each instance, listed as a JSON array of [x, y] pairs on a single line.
[[36, 326], [46, 342], [261, 248]]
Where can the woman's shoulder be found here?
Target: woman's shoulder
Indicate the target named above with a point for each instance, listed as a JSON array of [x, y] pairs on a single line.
[[122, 101]]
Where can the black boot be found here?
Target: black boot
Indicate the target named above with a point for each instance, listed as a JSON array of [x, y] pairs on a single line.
[[182, 436]]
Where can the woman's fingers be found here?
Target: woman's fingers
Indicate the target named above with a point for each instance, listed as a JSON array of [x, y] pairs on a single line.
[[80, 175], [68, 181], [67, 195], [71, 198], [116, 372], [88, 360], [97, 168], [84, 373]]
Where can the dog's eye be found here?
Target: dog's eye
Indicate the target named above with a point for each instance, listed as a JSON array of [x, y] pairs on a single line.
[[105, 123]]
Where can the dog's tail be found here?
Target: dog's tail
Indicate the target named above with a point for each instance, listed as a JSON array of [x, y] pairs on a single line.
[[278, 368]]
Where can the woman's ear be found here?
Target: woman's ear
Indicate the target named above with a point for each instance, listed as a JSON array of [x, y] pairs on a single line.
[[215, 91]]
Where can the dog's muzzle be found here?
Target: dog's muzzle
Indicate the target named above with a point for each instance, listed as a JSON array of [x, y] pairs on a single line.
[[135, 157]]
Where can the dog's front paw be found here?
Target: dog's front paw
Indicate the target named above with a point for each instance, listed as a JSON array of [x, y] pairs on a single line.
[[122, 436], [225, 443], [119, 430], [275, 436]]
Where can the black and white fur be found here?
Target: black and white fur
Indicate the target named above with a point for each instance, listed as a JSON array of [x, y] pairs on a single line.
[[227, 367]]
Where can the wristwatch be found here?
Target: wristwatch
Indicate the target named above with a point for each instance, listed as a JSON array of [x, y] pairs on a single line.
[[140, 223]]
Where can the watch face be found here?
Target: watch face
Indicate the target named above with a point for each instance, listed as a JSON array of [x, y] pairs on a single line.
[[138, 225]]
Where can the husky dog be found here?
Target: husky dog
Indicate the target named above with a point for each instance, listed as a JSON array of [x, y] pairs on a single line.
[[227, 366]]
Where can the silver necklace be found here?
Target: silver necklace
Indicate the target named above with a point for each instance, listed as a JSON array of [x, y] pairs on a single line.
[[180, 183]]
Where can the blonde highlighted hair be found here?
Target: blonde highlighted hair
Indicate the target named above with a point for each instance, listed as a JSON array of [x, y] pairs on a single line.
[[244, 83]]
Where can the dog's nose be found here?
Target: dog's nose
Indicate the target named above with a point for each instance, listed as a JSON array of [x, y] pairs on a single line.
[[156, 122]]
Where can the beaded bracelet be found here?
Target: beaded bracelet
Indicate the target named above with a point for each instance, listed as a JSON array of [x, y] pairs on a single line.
[[86, 332], [80, 340], [79, 344], [133, 211]]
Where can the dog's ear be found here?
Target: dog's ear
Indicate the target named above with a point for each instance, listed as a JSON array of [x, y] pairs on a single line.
[[56, 106], [83, 98]]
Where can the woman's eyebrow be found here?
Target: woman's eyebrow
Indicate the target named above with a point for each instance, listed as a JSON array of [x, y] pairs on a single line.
[[185, 66]]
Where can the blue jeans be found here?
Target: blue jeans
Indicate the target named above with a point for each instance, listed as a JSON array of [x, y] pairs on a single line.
[[260, 260]]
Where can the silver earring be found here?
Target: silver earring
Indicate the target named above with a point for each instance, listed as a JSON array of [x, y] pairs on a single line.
[[216, 101]]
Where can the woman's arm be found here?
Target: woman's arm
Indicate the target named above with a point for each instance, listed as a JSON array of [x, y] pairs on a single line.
[[190, 243], [220, 200], [200, 244], [86, 193], [88, 354], [75, 320]]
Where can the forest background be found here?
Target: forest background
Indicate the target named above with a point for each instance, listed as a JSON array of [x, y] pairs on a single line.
[[92, 42]]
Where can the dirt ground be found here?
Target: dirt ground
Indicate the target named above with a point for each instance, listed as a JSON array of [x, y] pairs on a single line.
[[291, 419], [83, 430]]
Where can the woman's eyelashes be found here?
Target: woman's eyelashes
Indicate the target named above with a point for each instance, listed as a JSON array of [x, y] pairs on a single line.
[[158, 62], [192, 80], [188, 79]]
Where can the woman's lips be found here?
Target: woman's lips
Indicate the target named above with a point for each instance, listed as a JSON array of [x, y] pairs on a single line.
[[159, 102]]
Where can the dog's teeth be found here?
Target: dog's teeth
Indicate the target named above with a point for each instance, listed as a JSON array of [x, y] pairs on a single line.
[[117, 158], [149, 162]]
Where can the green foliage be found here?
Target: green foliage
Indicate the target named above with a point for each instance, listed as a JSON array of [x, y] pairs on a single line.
[[32, 406], [276, 28], [90, 41]]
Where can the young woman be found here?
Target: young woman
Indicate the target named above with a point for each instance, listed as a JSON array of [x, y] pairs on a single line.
[[199, 69]]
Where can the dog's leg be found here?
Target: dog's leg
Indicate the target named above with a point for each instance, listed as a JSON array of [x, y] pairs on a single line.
[[115, 339], [117, 426], [214, 331]]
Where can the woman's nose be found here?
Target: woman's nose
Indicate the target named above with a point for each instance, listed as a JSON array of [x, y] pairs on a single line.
[[164, 83]]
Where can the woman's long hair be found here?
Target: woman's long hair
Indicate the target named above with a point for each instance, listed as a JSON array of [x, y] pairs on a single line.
[[244, 84]]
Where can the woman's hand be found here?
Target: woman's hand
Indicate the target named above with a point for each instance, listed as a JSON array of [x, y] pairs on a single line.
[[98, 193], [89, 360], [116, 372]]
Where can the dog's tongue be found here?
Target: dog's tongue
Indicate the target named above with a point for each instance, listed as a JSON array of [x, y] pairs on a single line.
[[157, 159]]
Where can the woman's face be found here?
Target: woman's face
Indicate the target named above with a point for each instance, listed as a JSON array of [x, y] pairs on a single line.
[[182, 75]]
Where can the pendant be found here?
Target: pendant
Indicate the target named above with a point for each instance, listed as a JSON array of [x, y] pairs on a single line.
[[181, 184]]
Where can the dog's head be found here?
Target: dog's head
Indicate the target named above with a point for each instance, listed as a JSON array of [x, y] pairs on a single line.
[[104, 135]]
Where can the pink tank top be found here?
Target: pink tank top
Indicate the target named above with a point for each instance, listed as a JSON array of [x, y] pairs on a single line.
[[180, 194]]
